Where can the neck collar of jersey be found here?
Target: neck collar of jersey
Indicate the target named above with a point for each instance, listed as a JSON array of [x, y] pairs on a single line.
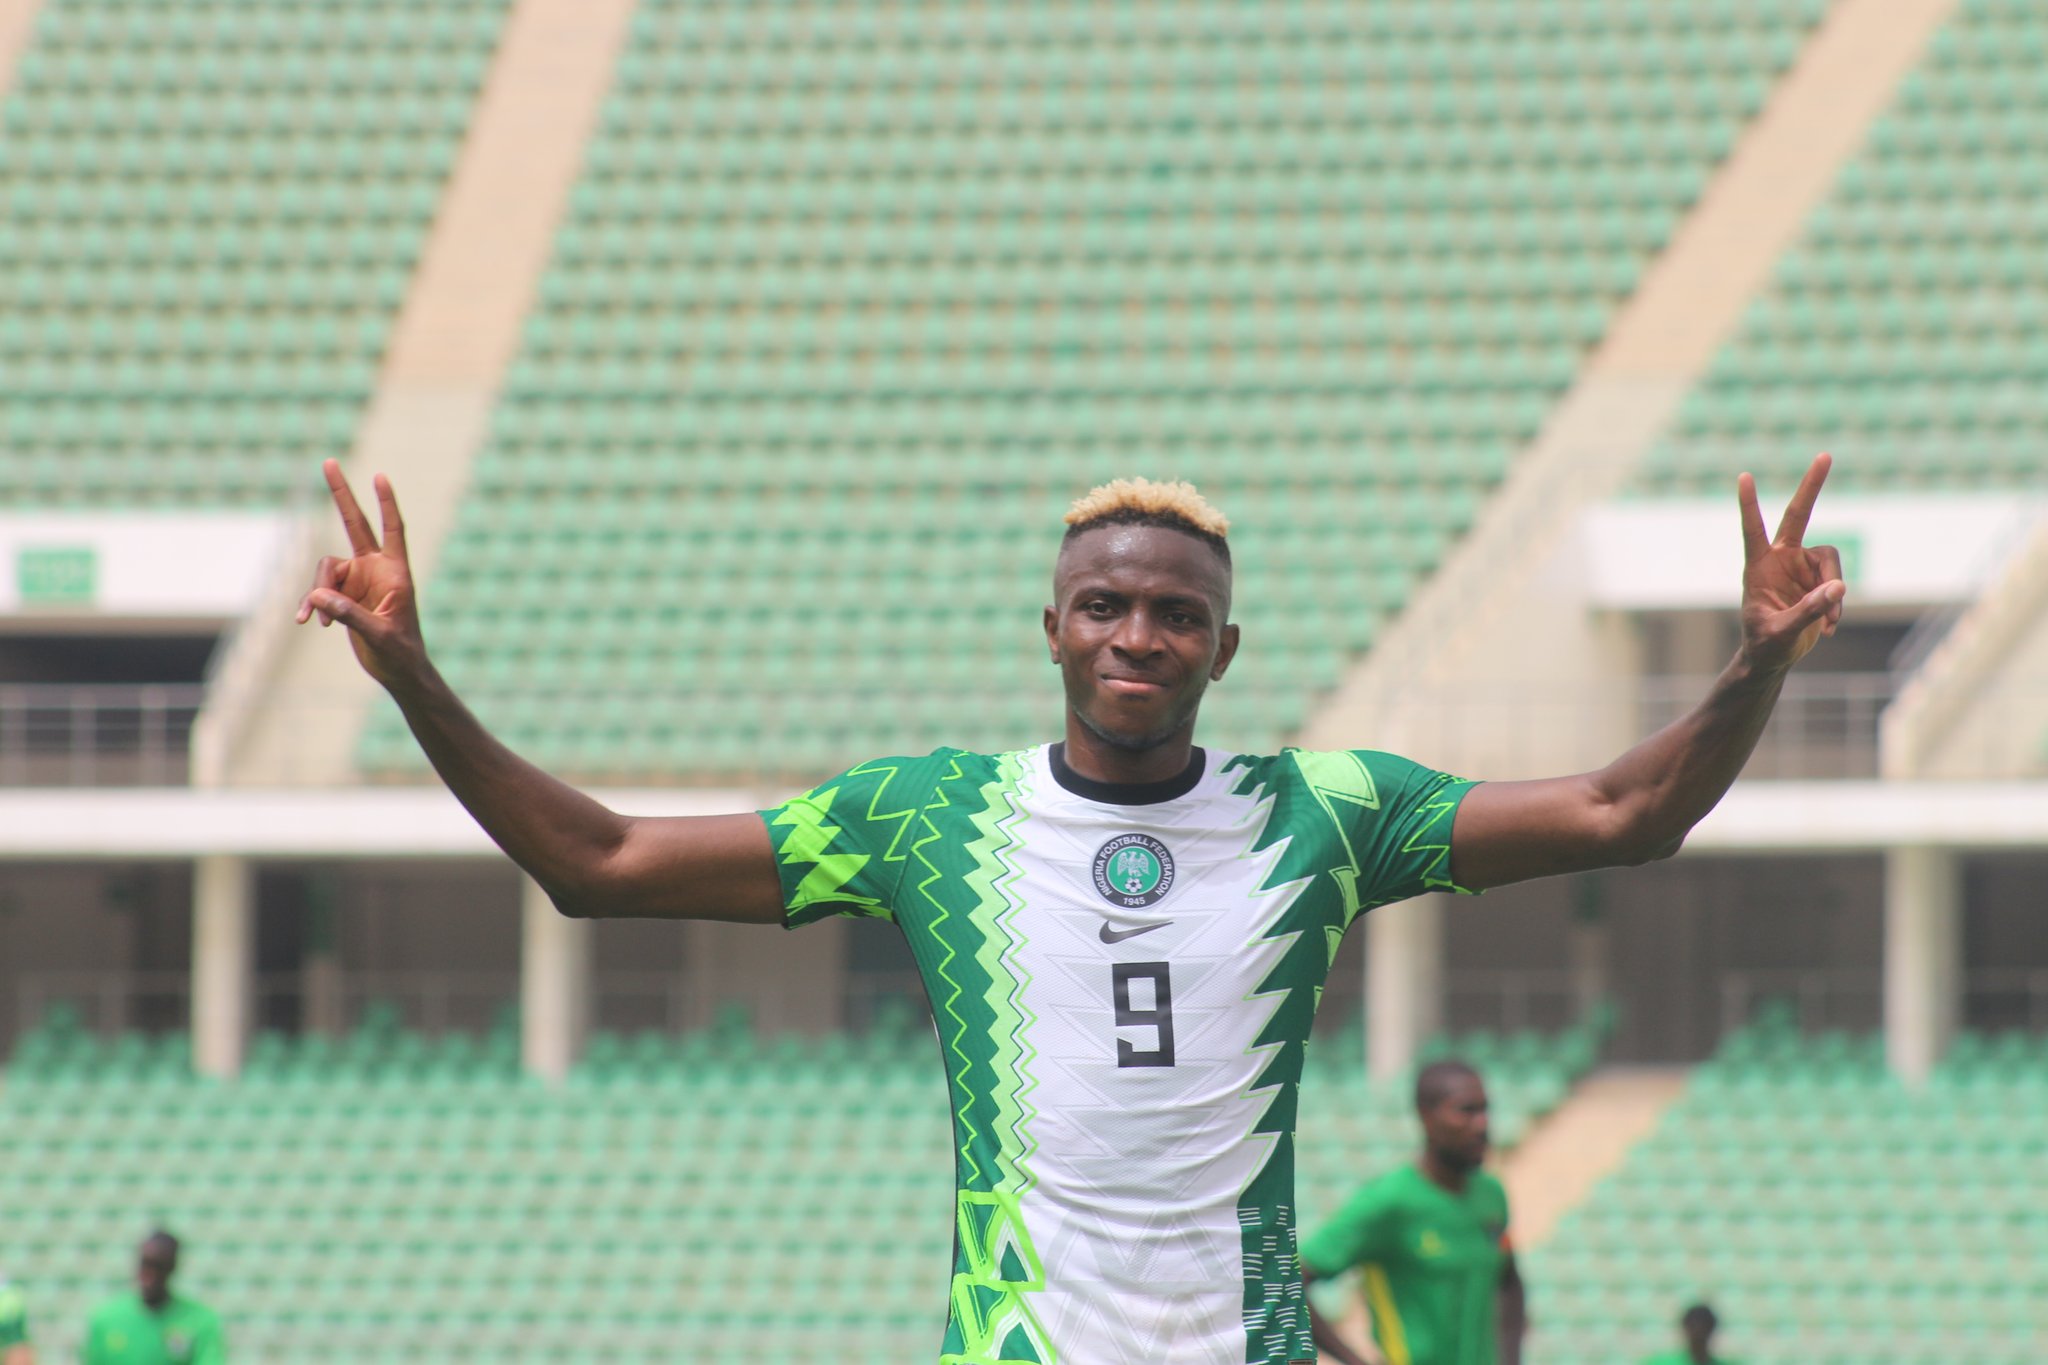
[[1127, 793]]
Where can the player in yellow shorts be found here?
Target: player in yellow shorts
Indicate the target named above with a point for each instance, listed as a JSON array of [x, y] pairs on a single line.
[[1432, 1241]]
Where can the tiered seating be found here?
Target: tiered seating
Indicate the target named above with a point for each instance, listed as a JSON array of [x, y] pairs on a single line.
[[1832, 1216], [391, 1198], [852, 299], [209, 210], [1905, 332]]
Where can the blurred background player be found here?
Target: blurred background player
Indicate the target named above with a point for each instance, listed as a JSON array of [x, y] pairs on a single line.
[[14, 1343], [152, 1325], [1431, 1239], [1698, 1325]]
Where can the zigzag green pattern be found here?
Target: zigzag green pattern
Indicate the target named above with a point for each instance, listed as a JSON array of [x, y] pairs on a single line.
[[966, 848]]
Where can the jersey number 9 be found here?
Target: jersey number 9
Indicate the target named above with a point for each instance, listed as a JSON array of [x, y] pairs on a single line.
[[1159, 1016]]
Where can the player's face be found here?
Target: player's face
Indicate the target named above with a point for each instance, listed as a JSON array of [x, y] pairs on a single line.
[[1138, 629], [154, 1267], [1457, 1126]]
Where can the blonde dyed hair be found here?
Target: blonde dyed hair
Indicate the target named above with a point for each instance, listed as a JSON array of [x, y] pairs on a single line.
[[1142, 500]]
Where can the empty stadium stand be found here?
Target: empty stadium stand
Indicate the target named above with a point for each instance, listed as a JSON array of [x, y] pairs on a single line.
[[387, 1196], [209, 211], [849, 302], [1831, 1215], [1903, 332]]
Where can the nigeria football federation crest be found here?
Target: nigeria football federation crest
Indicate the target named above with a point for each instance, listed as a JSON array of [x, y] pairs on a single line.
[[1133, 871]]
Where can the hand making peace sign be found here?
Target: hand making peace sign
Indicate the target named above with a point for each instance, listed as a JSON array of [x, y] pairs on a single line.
[[1791, 595], [371, 591]]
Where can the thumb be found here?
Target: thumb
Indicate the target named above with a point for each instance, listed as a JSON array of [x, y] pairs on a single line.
[[1818, 603], [336, 606]]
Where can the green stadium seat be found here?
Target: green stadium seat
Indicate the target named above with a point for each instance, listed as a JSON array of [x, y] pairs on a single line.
[[1902, 332], [208, 215], [824, 330]]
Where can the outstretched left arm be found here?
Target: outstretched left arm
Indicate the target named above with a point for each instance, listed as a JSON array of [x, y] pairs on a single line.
[[1641, 806]]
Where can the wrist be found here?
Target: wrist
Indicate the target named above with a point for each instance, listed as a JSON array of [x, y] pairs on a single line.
[[418, 685]]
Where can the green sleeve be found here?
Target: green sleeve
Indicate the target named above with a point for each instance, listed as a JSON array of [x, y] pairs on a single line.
[[1363, 1230], [841, 847], [1404, 844], [89, 1353], [209, 1345], [13, 1318]]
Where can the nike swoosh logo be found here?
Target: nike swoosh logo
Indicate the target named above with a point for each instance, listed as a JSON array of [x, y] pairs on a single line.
[[1110, 935]]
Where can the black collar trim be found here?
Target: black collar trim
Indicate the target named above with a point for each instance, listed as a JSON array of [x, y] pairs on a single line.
[[1127, 793]]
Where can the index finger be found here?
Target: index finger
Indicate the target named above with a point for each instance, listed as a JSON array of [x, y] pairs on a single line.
[[360, 538], [1792, 527]]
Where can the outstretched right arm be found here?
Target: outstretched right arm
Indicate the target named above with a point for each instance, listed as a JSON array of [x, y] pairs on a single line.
[[592, 860]]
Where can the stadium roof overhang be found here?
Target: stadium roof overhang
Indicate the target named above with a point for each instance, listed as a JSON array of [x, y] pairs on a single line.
[[425, 822]]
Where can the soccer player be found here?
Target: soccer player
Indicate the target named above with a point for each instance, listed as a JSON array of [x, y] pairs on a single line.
[[1699, 1325], [1123, 935], [153, 1326], [1432, 1239], [15, 1348]]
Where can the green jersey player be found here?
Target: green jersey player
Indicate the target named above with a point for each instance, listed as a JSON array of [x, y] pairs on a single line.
[[1430, 1239], [1123, 935], [15, 1348]]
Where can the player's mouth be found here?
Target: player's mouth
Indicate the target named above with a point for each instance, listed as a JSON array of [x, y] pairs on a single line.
[[1126, 686]]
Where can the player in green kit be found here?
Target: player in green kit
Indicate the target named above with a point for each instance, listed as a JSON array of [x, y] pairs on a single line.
[[1699, 1325], [153, 1326], [1431, 1240], [14, 1343], [1123, 934]]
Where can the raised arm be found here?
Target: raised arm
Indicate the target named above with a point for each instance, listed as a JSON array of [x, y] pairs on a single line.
[[1641, 806], [590, 859]]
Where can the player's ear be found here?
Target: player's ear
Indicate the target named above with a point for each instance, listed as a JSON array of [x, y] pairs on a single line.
[[1052, 632], [1226, 650]]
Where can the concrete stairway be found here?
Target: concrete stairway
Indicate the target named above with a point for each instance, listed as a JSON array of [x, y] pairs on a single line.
[[1584, 1140]]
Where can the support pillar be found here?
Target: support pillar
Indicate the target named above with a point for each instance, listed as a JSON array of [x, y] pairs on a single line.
[[320, 974], [1923, 943], [1404, 984], [223, 964], [554, 985]]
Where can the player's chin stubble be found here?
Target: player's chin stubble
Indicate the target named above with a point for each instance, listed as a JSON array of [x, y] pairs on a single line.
[[1138, 743]]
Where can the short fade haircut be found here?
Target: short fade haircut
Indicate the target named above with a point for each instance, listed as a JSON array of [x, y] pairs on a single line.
[[1434, 1081], [1175, 506], [1703, 1315]]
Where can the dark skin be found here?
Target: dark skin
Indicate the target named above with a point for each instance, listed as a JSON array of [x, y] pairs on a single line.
[[1456, 1135], [156, 1261], [1699, 1337], [1139, 629]]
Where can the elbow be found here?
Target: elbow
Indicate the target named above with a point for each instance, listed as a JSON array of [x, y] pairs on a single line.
[[585, 897], [1653, 851], [1633, 840]]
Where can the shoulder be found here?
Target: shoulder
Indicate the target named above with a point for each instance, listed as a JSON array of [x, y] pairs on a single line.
[[1358, 777], [1389, 1190], [108, 1310], [196, 1314]]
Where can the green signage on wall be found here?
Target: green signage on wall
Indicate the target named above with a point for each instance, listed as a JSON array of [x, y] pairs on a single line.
[[56, 575]]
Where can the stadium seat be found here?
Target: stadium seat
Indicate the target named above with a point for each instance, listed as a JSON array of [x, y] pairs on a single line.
[[1902, 332], [834, 327], [352, 1196], [209, 210], [1828, 1212]]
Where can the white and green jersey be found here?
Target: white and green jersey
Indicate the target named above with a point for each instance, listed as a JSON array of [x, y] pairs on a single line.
[[1123, 980]]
